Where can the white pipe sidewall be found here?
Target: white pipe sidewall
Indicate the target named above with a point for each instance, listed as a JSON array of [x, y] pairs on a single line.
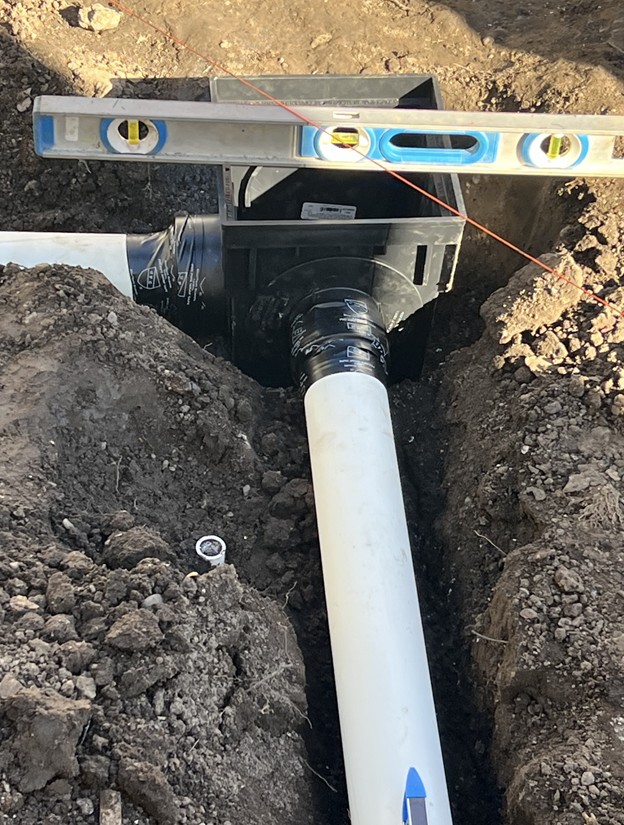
[[105, 253], [387, 715]]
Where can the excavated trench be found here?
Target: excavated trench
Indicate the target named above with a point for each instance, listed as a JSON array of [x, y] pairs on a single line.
[[423, 440], [129, 442]]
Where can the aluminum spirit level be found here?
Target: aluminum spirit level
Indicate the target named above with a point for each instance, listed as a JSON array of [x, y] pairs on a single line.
[[329, 137]]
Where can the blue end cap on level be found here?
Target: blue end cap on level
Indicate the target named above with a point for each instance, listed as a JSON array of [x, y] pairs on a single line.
[[43, 128], [414, 789]]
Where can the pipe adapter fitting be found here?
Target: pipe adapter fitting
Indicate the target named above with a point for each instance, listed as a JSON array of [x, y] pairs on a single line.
[[179, 273], [211, 549], [334, 331]]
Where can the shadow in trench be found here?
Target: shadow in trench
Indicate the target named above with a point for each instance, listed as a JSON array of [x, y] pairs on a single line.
[[578, 30]]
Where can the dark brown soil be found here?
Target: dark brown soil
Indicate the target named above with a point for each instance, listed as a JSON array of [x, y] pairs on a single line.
[[533, 514], [125, 662]]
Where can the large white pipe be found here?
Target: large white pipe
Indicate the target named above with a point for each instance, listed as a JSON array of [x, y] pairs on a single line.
[[387, 715], [105, 253]]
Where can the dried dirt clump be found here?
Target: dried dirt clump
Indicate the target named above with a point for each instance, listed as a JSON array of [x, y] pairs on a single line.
[[535, 476], [126, 663]]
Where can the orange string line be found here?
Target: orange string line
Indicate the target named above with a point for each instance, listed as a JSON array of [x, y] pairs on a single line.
[[300, 116]]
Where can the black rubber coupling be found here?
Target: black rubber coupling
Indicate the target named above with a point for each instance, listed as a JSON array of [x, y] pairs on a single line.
[[178, 272], [334, 331]]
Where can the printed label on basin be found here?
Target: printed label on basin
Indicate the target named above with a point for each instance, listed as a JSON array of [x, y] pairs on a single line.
[[327, 212]]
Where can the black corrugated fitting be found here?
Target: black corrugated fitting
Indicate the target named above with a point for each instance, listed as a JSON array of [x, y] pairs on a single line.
[[179, 272], [334, 331]]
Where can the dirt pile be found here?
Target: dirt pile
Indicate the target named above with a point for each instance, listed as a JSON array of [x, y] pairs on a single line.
[[535, 480], [124, 662]]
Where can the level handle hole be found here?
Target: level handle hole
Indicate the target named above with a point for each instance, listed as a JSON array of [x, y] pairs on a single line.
[[418, 140]]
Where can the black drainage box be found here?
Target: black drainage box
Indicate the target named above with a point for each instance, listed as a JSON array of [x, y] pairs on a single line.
[[286, 232]]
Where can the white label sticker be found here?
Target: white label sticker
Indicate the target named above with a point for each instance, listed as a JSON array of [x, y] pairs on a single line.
[[327, 212]]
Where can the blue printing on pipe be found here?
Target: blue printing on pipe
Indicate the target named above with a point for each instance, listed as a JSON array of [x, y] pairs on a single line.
[[529, 140], [161, 128], [414, 789], [43, 128], [381, 147]]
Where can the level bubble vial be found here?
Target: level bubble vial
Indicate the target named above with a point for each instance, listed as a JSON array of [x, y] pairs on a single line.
[[136, 136], [134, 131], [334, 145], [554, 150], [346, 137]]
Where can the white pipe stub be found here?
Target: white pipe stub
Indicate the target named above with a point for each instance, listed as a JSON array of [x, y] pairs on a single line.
[[211, 549], [393, 760], [104, 253]]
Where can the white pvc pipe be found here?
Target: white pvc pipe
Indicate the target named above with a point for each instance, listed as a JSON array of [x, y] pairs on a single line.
[[105, 253], [387, 716]]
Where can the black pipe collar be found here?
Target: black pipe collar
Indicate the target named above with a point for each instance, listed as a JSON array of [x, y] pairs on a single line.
[[335, 331]]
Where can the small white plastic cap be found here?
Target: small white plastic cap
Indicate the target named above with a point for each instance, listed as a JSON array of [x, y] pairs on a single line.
[[211, 549]]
